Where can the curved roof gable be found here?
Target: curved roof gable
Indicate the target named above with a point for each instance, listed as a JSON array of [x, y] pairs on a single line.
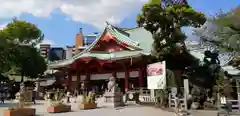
[[120, 35]]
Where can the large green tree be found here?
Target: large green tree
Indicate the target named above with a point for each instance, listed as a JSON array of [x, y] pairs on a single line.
[[164, 19], [29, 63], [18, 49], [23, 32]]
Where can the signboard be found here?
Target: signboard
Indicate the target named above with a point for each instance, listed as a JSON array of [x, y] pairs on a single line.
[[156, 78]]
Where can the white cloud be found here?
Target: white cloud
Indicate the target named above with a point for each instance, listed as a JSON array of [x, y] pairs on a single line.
[[2, 26], [94, 12], [48, 41]]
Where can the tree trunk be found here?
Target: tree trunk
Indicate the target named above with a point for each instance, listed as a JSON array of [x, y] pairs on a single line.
[[22, 76]]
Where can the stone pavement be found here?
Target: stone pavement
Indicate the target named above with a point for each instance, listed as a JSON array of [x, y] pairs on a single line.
[[131, 110], [41, 108]]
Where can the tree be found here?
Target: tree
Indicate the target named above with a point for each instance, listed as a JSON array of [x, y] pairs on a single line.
[[19, 38], [230, 22], [164, 19], [22, 32], [29, 62], [229, 19], [222, 32]]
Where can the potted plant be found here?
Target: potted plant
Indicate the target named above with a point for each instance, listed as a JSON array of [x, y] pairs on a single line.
[[88, 101], [20, 112], [21, 107], [56, 105]]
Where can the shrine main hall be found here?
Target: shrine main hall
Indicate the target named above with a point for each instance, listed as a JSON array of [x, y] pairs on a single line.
[[121, 53], [116, 52]]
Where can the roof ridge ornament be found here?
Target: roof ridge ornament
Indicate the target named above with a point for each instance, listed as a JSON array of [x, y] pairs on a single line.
[[109, 26], [107, 23]]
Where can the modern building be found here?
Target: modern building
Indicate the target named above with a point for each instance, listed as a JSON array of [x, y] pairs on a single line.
[[44, 50], [89, 39], [56, 54], [60, 53], [81, 42]]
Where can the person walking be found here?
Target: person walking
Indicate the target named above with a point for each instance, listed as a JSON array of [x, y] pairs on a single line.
[[76, 93], [2, 96], [33, 97]]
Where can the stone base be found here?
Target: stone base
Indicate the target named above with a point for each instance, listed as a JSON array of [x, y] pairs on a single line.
[[113, 101], [113, 105]]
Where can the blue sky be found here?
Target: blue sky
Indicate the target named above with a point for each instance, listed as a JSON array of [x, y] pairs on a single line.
[[60, 20]]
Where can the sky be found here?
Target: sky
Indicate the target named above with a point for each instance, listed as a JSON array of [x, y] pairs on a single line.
[[60, 20]]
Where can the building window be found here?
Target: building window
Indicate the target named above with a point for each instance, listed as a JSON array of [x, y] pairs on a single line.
[[89, 40]]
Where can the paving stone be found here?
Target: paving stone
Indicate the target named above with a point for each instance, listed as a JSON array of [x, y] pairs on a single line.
[[132, 110]]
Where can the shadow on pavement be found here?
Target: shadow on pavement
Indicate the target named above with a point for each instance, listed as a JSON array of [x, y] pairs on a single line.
[[5, 105]]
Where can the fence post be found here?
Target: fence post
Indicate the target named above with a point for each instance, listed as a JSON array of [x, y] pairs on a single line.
[[152, 93], [176, 102], [169, 100], [218, 101], [186, 93], [238, 101], [185, 101], [186, 87]]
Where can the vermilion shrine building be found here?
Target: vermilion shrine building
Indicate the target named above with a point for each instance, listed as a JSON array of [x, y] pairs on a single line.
[[122, 53], [114, 53]]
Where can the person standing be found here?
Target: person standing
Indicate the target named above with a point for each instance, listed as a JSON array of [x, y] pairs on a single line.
[[68, 97], [1, 97], [76, 94]]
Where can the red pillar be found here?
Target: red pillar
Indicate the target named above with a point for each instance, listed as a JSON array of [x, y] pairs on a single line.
[[114, 74], [126, 79], [140, 77], [78, 80], [69, 79], [87, 80]]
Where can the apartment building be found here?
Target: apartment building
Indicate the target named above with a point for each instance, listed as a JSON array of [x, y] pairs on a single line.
[[61, 53]]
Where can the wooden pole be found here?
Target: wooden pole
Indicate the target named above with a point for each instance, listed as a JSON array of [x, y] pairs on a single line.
[[126, 81]]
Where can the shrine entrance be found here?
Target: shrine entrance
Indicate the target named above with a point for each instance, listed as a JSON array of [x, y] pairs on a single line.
[[133, 83]]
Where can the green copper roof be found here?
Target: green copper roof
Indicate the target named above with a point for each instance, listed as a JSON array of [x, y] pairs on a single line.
[[118, 35], [143, 37], [113, 55], [102, 56], [122, 38]]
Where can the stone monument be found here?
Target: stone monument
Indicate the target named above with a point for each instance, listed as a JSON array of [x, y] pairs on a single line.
[[36, 91], [23, 97], [112, 95], [25, 93]]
